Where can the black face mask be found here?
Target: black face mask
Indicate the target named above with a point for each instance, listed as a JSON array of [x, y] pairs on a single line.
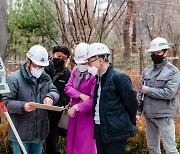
[[157, 59], [58, 63]]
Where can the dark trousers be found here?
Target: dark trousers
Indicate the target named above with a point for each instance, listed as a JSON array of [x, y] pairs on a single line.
[[118, 147], [52, 140]]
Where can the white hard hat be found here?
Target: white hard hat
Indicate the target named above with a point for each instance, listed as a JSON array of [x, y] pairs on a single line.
[[80, 53], [96, 49], [39, 55], [157, 44]]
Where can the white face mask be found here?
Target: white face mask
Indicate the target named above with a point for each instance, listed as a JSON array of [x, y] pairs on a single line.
[[36, 72], [93, 70], [82, 68]]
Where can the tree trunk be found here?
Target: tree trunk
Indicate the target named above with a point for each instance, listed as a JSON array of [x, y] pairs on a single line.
[[126, 27], [175, 51], [141, 58], [134, 31], [3, 27]]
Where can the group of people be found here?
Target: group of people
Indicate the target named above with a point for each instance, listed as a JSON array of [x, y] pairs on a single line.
[[104, 106]]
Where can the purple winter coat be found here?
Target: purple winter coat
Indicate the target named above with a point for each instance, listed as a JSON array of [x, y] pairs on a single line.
[[80, 134]]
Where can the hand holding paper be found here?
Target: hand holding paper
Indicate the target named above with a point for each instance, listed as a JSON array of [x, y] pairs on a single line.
[[48, 101], [28, 107]]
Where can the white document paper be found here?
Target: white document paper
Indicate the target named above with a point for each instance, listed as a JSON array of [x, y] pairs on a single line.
[[48, 107]]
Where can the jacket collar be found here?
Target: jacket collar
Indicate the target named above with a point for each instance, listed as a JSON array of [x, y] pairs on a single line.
[[103, 79], [104, 76], [161, 65], [24, 72]]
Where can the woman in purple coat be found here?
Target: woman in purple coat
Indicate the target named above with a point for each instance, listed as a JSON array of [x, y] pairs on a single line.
[[80, 87]]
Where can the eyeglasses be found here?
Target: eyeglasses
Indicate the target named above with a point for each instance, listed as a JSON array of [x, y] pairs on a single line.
[[37, 66], [89, 62]]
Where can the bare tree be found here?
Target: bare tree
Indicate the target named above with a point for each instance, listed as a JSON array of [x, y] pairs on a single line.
[[174, 37], [3, 27], [134, 29], [161, 18], [83, 20], [126, 31]]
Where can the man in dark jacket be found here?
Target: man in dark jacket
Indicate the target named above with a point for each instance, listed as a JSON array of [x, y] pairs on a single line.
[[59, 75], [115, 103], [158, 98], [27, 85]]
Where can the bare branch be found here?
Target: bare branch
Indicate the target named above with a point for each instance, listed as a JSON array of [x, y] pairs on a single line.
[[50, 37], [82, 19], [80, 26], [89, 23], [116, 14], [105, 14], [114, 23], [70, 23], [80, 7], [48, 12], [61, 21]]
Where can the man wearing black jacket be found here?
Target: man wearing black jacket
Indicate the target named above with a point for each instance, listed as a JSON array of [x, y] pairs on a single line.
[[115, 103], [59, 75]]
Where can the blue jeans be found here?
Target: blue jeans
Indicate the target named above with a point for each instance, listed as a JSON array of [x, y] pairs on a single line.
[[162, 127], [31, 148]]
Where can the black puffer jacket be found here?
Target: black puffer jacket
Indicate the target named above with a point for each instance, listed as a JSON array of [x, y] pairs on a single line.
[[118, 106], [59, 78]]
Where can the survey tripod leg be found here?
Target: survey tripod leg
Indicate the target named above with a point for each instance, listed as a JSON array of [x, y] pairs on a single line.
[[13, 127]]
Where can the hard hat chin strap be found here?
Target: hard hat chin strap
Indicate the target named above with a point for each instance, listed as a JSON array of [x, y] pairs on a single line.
[[106, 57], [100, 70], [30, 61], [101, 65]]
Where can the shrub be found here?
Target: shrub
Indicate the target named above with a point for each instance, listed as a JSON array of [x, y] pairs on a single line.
[[138, 143], [5, 145]]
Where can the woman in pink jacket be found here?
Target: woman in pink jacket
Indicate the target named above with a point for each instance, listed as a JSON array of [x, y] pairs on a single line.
[[80, 87]]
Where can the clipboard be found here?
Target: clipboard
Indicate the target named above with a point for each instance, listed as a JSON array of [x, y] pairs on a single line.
[[47, 107]]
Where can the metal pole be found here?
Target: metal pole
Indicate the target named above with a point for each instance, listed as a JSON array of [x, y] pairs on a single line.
[[143, 93], [13, 127]]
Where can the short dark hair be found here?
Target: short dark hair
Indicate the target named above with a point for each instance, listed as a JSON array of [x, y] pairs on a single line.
[[63, 49]]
